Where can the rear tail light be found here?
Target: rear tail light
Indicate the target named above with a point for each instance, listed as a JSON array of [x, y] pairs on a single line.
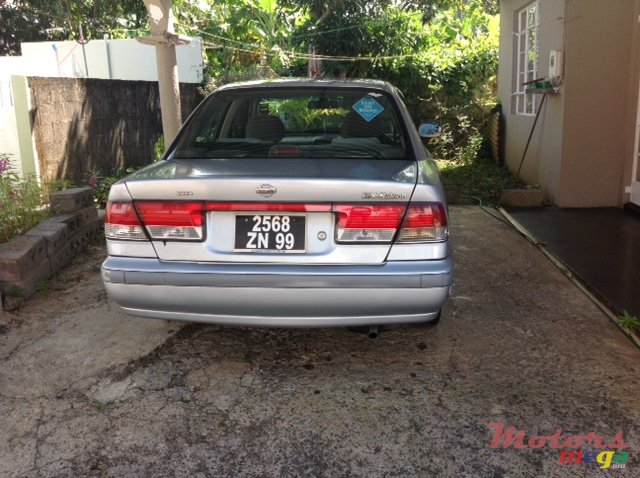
[[179, 221], [172, 220], [355, 223], [162, 220], [360, 223], [367, 222], [424, 223], [122, 222]]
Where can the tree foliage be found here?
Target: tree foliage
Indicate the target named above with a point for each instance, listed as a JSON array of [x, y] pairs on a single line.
[[441, 53], [244, 39], [452, 80], [37, 20]]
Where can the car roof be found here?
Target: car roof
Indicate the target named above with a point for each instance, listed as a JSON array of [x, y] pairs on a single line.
[[312, 83]]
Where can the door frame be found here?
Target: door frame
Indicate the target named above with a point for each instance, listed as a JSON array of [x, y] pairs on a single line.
[[635, 173]]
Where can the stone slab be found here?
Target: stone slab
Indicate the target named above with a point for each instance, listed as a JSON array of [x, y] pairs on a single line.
[[522, 198], [56, 235], [61, 259], [71, 200], [21, 255], [26, 286], [88, 215], [72, 220], [85, 235]]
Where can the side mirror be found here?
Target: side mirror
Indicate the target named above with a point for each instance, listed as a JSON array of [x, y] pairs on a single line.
[[429, 130]]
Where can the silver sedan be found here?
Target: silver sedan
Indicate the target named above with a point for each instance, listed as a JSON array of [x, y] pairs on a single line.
[[285, 203]]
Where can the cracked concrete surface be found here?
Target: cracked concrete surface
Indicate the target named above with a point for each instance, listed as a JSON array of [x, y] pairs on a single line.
[[85, 391]]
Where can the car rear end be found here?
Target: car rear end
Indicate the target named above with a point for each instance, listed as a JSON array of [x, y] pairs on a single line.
[[284, 204]]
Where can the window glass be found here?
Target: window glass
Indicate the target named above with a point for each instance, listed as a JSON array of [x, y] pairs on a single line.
[[294, 123], [526, 59]]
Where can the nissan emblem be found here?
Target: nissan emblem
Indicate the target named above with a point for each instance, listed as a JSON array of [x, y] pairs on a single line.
[[266, 190]]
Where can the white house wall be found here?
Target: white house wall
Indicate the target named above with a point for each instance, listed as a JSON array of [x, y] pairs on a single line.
[[9, 143], [111, 59], [551, 27], [600, 99], [542, 162], [22, 162], [582, 149]]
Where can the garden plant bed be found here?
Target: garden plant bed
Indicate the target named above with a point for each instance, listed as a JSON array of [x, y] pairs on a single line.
[[27, 261]]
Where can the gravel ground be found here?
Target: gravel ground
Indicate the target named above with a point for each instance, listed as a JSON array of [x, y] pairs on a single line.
[[85, 391]]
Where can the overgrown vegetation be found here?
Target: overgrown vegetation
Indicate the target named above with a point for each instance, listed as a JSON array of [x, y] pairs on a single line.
[[158, 148], [477, 178], [101, 184], [22, 203], [42, 20], [442, 54]]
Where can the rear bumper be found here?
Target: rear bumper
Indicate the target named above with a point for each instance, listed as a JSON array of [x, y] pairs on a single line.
[[279, 295]]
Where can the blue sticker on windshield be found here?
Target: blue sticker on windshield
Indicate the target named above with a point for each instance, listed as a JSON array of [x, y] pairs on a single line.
[[368, 108]]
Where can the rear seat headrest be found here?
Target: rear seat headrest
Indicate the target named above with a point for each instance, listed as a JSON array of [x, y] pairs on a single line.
[[355, 126], [266, 128]]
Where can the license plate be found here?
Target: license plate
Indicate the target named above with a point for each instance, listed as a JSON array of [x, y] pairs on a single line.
[[270, 233]]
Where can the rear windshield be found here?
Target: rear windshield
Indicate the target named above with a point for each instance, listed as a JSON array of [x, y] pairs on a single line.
[[294, 123]]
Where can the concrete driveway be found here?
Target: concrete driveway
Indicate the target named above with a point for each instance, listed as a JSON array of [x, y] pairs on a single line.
[[85, 391]]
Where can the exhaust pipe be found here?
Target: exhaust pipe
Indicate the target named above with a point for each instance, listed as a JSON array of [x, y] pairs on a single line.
[[373, 331]]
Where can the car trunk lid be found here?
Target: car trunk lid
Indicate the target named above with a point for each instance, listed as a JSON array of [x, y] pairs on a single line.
[[333, 211]]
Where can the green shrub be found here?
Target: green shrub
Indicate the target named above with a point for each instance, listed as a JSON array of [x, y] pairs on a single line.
[[477, 178], [158, 148], [22, 203], [629, 322], [102, 184]]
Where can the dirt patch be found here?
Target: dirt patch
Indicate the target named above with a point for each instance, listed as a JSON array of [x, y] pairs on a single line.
[[77, 285]]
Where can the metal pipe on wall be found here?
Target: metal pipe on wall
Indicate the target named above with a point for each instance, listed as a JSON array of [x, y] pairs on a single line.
[[108, 51]]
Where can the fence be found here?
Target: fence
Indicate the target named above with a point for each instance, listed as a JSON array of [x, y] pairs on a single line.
[[82, 125]]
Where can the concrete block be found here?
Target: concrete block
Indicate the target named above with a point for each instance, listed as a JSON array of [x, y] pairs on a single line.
[[20, 256], [61, 259], [522, 198], [71, 220], [88, 215], [71, 200], [56, 235], [26, 286], [85, 235]]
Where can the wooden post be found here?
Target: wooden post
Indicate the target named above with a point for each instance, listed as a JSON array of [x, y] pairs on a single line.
[[165, 41]]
